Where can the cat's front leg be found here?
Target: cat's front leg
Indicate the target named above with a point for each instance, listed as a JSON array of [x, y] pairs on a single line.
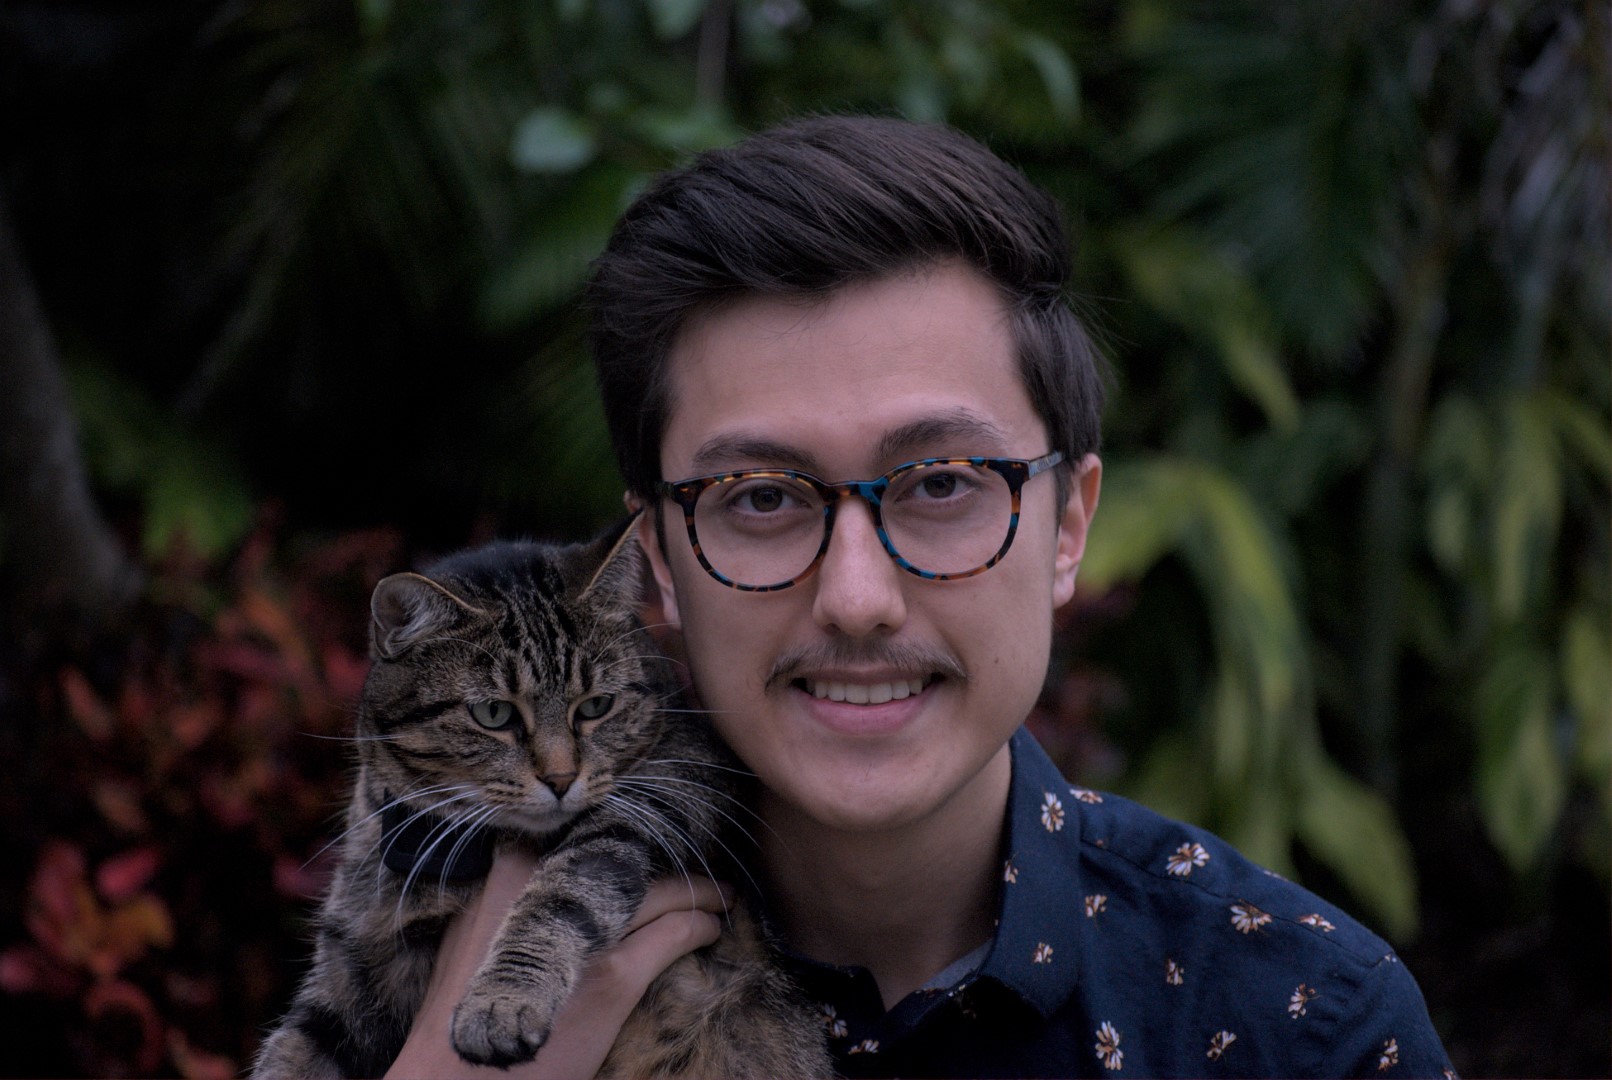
[[580, 902]]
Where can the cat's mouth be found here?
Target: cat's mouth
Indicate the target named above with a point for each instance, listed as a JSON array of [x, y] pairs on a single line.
[[868, 693]]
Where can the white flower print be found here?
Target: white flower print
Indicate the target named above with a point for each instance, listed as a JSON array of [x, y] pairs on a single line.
[[1043, 953], [1052, 813], [831, 1020], [1187, 857], [1174, 973], [1218, 1044], [1300, 999], [1390, 1055], [1318, 921], [1095, 904], [1108, 1047], [1010, 873], [1247, 918], [866, 1046], [1085, 795]]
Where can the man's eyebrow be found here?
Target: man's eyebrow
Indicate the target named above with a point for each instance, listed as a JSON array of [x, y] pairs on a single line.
[[960, 430], [728, 451], [942, 432]]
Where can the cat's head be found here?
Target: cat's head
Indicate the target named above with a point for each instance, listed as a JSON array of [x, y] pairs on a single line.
[[511, 683]]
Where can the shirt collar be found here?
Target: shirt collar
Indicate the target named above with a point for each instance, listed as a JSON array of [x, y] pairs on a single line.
[[1036, 951]]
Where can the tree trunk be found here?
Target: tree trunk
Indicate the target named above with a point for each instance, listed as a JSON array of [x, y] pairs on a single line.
[[63, 571]]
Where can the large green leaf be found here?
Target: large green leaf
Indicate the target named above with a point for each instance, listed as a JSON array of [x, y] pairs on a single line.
[[1586, 672], [1527, 506], [1185, 279], [1522, 770], [1352, 829]]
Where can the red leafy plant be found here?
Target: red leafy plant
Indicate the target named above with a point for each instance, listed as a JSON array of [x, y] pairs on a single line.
[[177, 813]]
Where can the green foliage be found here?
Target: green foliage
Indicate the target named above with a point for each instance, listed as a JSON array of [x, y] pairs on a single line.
[[190, 492]]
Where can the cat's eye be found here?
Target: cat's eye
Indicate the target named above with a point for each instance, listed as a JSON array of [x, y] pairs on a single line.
[[594, 707], [493, 715]]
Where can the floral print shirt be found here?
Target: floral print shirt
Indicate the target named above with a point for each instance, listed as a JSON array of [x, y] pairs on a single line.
[[1131, 945]]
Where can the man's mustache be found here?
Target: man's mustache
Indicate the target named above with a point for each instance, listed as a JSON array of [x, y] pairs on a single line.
[[843, 653]]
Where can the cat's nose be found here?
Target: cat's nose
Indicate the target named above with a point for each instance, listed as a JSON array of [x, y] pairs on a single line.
[[559, 783]]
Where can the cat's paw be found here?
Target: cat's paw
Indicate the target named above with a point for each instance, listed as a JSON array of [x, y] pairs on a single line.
[[500, 1027]]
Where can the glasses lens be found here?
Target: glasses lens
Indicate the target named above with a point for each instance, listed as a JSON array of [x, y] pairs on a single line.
[[761, 529], [947, 518]]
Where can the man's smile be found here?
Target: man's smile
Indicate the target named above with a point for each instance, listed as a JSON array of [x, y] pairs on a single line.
[[872, 693]]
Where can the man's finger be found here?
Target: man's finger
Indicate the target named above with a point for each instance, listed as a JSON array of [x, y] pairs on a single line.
[[682, 895]]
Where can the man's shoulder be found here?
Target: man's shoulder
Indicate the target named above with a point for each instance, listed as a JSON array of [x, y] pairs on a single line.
[[1175, 952], [1128, 847], [1123, 853]]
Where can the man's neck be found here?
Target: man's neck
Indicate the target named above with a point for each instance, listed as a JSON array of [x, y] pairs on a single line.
[[903, 903]]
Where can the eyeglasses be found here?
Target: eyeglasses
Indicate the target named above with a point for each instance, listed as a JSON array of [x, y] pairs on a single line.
[[761, 530]]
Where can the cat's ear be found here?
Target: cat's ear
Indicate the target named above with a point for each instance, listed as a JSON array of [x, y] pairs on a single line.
[[407, 608], [620, 568]]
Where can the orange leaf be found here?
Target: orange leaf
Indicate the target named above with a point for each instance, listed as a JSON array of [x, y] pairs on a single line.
[[345, 672], [86, 708], [194, 1064], [274, 622], [120, 804], [192, 723], [121, 876], [130, 930], [63, 914]]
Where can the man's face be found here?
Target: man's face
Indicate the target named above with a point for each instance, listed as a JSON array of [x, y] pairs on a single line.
[[881, 373]]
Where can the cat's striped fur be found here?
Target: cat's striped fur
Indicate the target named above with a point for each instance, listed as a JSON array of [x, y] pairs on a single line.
[[590, 766]]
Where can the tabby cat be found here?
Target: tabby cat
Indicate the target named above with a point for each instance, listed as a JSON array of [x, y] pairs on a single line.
[[514, 698]]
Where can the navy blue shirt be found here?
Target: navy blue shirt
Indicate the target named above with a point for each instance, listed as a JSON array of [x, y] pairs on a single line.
[[1128, 944]]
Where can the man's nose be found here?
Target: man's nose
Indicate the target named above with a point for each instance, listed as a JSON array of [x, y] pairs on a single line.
[[859, 587]]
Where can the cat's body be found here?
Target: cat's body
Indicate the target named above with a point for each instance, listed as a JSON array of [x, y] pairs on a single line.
[[514, 695]]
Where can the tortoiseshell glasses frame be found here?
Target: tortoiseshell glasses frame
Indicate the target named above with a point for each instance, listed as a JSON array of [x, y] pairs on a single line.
[[1014, 471]]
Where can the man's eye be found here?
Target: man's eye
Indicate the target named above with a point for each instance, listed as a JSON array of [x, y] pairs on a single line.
[[762, 500], [939, 485], [493, 715]]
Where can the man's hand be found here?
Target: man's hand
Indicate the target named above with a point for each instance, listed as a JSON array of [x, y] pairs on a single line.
[[675, 918]]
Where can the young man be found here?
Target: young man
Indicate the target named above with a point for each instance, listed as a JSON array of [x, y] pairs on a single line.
[[861, 422]]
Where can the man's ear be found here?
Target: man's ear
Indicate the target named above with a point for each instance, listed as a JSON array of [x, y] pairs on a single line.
[[664, 594], [1072, 527]]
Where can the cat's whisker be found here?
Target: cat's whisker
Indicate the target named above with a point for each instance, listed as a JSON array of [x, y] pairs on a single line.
[[699, 764], [715, 809], [478, 820], [694, 712], [681, 800], [440, 832], [349, 738], [391, 837], [688, 840], [361, 822], [652, 657], [639, 814]]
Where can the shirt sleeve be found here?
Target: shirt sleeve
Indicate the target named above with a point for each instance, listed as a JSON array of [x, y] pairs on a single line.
[[1387, 1032]]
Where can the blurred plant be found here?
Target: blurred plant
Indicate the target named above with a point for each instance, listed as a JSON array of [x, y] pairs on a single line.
[[1419, 489], [180, 810]]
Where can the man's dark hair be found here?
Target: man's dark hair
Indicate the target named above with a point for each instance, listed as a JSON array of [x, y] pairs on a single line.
[[805, 208]]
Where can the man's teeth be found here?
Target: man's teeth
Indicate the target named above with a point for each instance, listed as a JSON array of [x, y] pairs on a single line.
[[864, 693]]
